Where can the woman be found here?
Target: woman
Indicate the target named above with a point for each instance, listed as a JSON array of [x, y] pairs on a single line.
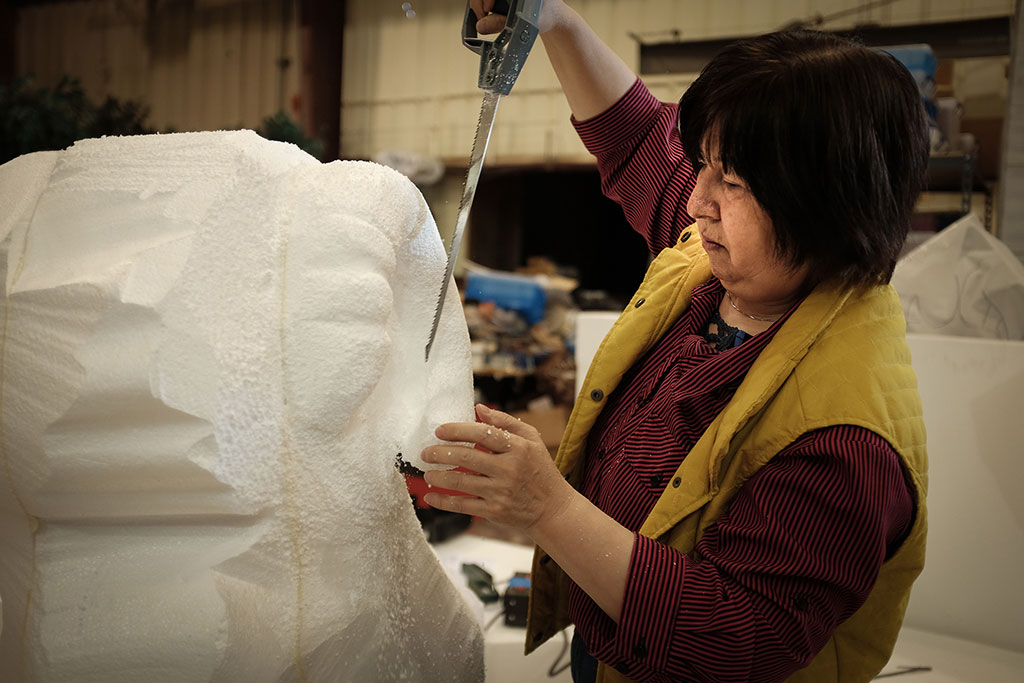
[[740, 491]]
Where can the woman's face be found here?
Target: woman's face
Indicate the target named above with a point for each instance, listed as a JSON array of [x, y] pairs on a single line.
[[737, 234]]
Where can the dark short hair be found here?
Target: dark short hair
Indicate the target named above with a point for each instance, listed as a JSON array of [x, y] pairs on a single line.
[[832, 139]]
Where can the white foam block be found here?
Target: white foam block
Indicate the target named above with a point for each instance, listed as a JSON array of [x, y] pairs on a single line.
[[212, 353]]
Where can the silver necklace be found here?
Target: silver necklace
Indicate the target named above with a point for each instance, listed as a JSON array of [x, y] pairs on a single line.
[[759, 318]]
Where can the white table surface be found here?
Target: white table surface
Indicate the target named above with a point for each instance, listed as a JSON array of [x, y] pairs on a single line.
[[948, 660], [952, 660], [503, 645]]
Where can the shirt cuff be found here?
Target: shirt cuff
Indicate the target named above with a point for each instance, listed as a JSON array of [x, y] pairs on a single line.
[[620, 122], [653, 595]]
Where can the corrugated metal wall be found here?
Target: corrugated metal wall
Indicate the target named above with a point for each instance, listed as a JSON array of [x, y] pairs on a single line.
[[198, 64], [410, 84]]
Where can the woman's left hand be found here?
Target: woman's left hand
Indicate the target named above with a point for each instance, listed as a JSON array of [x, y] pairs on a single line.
[[516, 483]]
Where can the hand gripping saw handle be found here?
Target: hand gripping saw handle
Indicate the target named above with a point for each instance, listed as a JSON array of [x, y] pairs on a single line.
[[502, 59]]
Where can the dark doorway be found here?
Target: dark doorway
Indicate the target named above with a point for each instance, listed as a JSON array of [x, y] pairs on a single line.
[[561, 215]]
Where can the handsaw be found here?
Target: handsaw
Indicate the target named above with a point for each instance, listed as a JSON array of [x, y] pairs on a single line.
[[501, 60]]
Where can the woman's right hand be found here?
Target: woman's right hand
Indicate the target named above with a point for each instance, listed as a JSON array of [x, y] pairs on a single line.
[[592, 75], [493, 23]]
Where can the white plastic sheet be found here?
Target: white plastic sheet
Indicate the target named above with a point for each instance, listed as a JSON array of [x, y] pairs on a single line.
[[962, 282]]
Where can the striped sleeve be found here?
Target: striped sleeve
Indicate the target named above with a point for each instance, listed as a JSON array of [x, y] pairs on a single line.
[[642, 165], [794, 556]]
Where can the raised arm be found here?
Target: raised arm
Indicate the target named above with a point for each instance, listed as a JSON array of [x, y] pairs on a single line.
[[593, 77]]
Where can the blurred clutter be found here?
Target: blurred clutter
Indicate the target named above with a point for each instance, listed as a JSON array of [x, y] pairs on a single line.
[[521, 327]]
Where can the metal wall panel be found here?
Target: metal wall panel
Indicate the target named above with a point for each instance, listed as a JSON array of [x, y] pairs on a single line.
[[198, 64], [410, 84]]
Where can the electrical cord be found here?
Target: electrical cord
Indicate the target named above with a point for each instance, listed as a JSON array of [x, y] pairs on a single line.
[[555, 668], [494, 620], [499, 615]]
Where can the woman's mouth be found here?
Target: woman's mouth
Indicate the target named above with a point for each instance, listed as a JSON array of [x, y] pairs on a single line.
[[710, 245]]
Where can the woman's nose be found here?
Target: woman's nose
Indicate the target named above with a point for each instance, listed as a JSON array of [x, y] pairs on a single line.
[[701, 204]]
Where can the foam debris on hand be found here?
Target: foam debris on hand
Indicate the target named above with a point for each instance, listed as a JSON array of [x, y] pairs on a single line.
[[212, 350]]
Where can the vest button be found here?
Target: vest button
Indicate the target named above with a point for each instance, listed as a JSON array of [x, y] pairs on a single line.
[[676, 482], [639, 303], [685, 236], [597, 395]]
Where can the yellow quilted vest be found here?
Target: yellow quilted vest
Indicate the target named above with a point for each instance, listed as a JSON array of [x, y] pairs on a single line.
[[841, 358]]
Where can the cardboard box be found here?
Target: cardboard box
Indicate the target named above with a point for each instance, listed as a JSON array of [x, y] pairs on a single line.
[[550, 422], [944, 78], [988, 132]]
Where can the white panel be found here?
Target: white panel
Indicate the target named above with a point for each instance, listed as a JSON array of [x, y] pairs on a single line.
[[591, 328], [970, 391]]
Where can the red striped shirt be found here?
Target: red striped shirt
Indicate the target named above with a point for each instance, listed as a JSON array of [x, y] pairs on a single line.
[[801, 545]]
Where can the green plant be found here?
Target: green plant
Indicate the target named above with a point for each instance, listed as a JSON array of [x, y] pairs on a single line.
[[281, 127], [34, 119]]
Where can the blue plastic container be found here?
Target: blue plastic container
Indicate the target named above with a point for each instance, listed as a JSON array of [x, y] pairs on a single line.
[[917, 58], [513, 292], [921, 63]]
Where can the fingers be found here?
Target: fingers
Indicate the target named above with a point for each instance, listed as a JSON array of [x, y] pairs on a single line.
[[493, 437], [505, 421], [461, 504], [461, 456], [481, 7], [459, 480], [492, 23], [487, 23]]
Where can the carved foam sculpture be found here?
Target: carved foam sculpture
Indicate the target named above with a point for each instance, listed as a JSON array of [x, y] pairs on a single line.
[[212, 353]]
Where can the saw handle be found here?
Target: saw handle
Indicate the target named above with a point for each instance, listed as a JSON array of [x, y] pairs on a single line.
[[470, 38], [502, 59]]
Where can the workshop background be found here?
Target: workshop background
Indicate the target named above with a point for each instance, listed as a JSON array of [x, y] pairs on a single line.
[[390, 81]]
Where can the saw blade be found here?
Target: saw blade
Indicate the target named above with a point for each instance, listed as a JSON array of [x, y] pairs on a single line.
[[488, 108]]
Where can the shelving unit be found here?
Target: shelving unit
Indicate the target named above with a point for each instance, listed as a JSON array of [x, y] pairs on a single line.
[[957, 173]]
